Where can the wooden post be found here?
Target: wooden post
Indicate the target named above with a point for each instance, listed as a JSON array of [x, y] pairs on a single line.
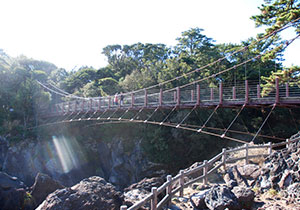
[[233, 93], [221, 93], [146, 98], [277, 90], [160, 96], [258, 91], [132, 99], [169, 188], [205, 172], [154, 199], [181, 182], [123, 207], [247, 156], [178, 96], [287, 94], [224, 158], [270, 148], [198, 95], [192, 95], [211, 94], [287, 143], [246, 92]]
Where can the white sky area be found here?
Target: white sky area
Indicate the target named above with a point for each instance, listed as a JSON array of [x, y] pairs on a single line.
[[72, 33]]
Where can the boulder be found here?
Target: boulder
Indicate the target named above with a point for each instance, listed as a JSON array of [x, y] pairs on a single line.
[[146, 184], [197, 199], [245, 196], [12, 194], [135, 195], [43, 186], [220, 197], [90, 193]]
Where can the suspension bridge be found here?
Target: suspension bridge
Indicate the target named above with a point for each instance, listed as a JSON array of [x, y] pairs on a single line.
[[195, 95]]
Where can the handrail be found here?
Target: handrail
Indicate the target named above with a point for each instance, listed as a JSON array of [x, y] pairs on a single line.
[[168, 185]]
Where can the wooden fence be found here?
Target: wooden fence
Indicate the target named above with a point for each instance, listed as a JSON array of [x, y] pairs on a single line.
[[177, 183]]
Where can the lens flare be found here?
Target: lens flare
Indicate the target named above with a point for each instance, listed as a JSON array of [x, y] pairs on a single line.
[[68, 151]]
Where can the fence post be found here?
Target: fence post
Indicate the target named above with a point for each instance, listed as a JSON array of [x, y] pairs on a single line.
[[270, 148], [258, 91], [233, 93], [181, 182], [198, 95], [287, 94], [169, 188], [277, 90], [246, 92], [154, 199], [123, 207], [287, 143], [205, 172], [220, 92], [224, 158], [247, 157]]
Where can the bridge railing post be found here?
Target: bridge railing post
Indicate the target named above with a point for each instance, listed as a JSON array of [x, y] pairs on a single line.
[[99, 104], [211, 94], [198, 95], [178, 96], [192, 95], [75, 105], [109, 102], [160, 100], [277, 90], [82, 106], [246, 92], [221, 93], [233, 93], [146, 98], [132, 100], [258, 91], [287, 94]]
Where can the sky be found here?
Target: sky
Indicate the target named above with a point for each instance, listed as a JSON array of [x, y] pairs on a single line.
[[72, 33]]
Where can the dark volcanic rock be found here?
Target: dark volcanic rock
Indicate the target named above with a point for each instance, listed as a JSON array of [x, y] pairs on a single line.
[[90, 193], [245, 196], [12, 193], [43, 186], [220, 197], [197, 199], [146, 184]]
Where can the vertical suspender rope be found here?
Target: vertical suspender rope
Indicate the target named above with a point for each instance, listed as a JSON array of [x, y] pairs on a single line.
[[263, 123]]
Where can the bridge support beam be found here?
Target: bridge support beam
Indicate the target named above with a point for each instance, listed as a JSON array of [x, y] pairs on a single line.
[[277, 90], [146, 98], [220, 93], [246, 92], [198, 95]]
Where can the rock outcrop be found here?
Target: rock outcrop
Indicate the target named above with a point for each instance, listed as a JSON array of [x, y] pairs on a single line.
[[43, 186], [90, 193]]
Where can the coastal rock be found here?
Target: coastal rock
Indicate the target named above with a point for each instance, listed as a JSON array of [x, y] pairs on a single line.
[[220, 197], [245, 197], [43, 186], [90, 193], [197, 199]]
